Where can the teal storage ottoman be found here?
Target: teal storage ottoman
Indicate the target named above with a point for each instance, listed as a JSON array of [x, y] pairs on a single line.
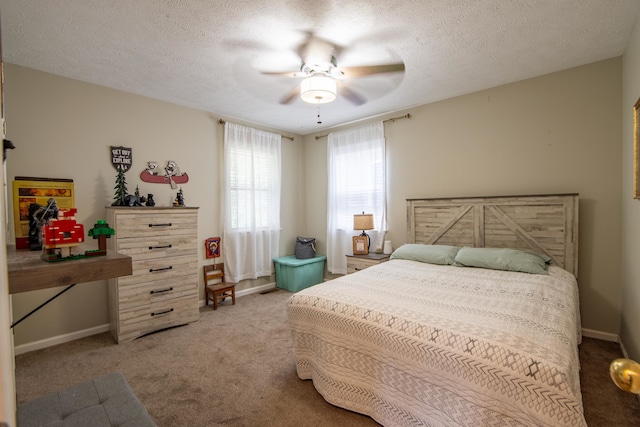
[[295, 274]]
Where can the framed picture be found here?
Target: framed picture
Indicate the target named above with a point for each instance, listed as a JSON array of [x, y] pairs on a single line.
[[34, 190], [360, 245], [212, 247], [636, 151]]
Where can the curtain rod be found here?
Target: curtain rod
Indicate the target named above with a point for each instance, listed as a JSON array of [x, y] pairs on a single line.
[[406, 116], [284, 136]]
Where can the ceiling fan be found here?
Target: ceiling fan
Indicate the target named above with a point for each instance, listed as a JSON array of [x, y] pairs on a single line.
[[322, 78]]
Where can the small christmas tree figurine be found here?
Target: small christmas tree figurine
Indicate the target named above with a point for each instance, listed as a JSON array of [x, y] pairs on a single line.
[[121, 189], [102, 232]]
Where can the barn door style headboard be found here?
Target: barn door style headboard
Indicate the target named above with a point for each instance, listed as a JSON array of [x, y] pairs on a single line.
[[545, 224]]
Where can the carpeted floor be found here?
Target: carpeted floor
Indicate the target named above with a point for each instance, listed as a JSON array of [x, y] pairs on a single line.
[[235, 367]]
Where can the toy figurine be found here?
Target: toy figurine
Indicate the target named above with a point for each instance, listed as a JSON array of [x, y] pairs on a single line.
[[150, 201], [133, 200], [179, 201], [60, 234], [39, 216], [100, 231]]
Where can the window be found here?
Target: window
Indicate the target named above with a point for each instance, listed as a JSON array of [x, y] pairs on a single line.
[[253, 174], [356, 161], [251, 201], [359, 182]]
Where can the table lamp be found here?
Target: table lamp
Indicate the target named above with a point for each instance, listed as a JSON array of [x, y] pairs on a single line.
[[363, 222]]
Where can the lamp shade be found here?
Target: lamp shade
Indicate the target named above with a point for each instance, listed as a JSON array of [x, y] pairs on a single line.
[[318, 89], [363, 222]]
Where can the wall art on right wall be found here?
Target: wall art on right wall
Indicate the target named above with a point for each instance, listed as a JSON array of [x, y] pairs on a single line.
[[636, 151]]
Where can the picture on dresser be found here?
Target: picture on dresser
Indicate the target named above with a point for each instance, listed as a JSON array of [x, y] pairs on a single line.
[[360, 245], [212, 247]]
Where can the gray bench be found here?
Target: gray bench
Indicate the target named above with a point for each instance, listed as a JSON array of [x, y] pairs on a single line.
[[107, 401]]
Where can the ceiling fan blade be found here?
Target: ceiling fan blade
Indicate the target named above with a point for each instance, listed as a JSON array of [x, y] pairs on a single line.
[[351, 95], [317, 50], [367, 70], [289, 97], [284, 73]]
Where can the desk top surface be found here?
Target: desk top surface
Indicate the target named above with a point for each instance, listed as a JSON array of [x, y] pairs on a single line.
[[29, 272]]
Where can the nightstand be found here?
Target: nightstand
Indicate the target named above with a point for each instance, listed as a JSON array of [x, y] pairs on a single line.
[[360, 262]]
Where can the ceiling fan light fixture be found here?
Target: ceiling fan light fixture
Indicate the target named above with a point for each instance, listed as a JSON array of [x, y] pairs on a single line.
[[318, 89]]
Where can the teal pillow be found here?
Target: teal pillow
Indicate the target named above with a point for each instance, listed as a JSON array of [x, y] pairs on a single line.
[[503, 259], [432, 254]]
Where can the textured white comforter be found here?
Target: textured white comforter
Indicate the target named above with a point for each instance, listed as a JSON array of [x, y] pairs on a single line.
[[410, 343]]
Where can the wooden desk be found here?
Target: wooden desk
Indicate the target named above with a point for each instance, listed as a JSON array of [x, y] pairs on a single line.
[[28, 272]]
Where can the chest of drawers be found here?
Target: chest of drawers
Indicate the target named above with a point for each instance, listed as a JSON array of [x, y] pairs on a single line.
[[163, 289]]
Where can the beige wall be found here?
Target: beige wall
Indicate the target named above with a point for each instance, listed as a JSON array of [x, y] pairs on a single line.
[[63, 128], [557, 133], [630, 322]]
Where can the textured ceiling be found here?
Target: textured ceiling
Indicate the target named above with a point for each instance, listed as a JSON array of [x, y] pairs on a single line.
[[208, 54]]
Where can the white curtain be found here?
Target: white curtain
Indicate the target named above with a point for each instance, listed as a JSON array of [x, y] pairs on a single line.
[[252, 173], [356, 162]]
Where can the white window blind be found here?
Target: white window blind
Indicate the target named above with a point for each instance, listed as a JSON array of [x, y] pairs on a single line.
[[253, 187]]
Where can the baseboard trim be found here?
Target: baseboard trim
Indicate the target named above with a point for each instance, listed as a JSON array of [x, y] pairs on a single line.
[[61, 339], [606, 336]]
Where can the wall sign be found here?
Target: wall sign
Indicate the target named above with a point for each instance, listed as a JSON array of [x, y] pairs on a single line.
[[121, 158], [170, 175]]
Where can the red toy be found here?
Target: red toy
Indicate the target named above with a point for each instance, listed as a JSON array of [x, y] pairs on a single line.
[[61, 234]]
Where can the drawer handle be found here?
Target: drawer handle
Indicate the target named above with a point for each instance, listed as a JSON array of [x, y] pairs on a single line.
[[159, 291], [159, 247], [153, 270], [160, 225], [160, 313]]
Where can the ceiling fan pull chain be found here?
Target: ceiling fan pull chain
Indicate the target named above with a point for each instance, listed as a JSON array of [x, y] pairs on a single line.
[[319, 121]]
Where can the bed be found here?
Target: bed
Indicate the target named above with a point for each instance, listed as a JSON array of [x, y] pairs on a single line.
[[452, 330]]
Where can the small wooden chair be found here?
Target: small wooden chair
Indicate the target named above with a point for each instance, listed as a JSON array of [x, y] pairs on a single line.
[[219, 290]]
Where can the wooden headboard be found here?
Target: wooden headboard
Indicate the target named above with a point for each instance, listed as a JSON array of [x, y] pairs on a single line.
[[543, 223]]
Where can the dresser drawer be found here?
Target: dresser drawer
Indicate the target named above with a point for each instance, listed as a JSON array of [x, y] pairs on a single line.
[[139, 248], [357, 263], [150, 270], [157, 291], [141, 320], [167, 224]]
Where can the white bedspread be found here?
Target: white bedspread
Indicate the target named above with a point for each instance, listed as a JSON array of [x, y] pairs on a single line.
[[410, 343]]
